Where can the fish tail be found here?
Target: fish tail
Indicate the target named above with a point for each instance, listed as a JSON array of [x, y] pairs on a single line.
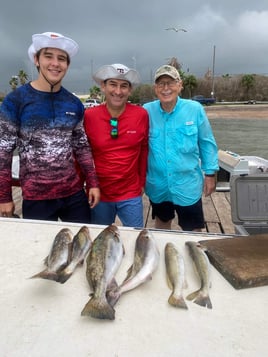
[[45, 274], [200, 298], [99, 309], [177, 301], [63, 276]]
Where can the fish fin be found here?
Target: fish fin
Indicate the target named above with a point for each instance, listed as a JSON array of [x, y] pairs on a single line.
[[99, 309], [113, 296], [46, 274], [112, 292], [193, 295], [149, 277], [129, 273], [177, 301], [112, 285], [200, 299], [46, 261], [210, 284], [63, 276]]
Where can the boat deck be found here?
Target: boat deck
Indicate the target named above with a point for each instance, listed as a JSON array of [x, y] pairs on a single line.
[[217, 212]]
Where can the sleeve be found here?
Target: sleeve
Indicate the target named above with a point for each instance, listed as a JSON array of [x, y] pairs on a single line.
[[83, 156], [144, 149], [207, 145], [8, 138]]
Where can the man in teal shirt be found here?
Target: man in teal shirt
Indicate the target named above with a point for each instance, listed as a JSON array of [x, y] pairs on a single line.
[[183, 155]]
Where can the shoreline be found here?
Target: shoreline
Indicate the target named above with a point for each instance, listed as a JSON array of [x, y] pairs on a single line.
[[240, 111]]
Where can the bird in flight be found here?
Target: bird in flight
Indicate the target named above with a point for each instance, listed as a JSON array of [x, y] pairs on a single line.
[[176, 29]]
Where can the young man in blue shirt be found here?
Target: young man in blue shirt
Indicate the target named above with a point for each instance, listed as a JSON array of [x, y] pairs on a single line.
[[44, 122]]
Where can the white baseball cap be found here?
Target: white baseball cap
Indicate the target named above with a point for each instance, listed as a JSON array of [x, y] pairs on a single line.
[[117, 71], [54, 40]]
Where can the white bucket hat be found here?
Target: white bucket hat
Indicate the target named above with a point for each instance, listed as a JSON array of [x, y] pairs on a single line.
[[54, 40], [117, 71]]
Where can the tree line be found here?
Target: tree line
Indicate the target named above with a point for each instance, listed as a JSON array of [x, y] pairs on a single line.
[[228, 88]]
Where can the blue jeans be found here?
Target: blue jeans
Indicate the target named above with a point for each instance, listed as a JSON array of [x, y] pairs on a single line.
[[130, 212]]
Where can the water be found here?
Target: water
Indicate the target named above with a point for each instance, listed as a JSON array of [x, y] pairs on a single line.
[[242, 136]]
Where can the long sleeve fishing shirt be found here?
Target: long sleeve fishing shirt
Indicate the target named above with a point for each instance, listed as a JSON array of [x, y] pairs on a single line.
[[181, 149], [47, 130]]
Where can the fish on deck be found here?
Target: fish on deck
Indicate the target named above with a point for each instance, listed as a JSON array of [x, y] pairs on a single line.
[[175, 270], [146, 260], [202, 264], [103, 262]]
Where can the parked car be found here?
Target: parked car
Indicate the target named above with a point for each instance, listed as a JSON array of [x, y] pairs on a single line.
[[203, 100], [91, 103], [251, 101]]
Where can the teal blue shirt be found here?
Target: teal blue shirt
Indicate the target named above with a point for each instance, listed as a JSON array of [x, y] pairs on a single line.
[[182, 148]]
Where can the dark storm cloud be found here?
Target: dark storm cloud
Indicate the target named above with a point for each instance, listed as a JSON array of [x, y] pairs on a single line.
[[133, 33]]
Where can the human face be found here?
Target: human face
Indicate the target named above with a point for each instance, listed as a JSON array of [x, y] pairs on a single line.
[[167, 90], [52, 64], [117, 92]]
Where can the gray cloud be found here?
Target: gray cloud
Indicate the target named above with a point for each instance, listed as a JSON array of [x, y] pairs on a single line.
[[133, 33]]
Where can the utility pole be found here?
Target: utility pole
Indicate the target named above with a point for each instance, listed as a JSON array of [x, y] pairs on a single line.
[[213, 71]]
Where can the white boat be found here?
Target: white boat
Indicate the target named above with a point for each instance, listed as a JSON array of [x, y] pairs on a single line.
[[233, 164]]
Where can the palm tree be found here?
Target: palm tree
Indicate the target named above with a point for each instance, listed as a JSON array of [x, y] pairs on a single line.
[[95, 92], [189, 83], [23, 77], [14, 81], [248, 81]]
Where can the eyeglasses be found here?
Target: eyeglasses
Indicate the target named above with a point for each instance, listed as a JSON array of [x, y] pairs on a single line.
[[169, 84], [114, 129]]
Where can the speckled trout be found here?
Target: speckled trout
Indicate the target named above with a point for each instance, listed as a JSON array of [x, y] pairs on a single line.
[[103, 262], [146, 260], [59, 256], [81, 245], [202, 264], [175, 275]]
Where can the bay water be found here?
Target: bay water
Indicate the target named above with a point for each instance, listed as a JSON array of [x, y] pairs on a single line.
[[242, 136]]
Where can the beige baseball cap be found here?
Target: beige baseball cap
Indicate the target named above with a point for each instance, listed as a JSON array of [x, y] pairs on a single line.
[[167, 70]]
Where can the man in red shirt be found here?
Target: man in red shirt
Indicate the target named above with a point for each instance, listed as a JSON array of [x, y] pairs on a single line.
[[118, 134]]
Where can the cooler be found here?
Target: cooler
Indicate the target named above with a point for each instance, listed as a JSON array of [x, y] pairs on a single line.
[[249, 203]]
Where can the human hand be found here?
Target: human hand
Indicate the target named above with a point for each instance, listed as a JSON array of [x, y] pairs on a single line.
[[7, 209], [93, 196], [209, 185]]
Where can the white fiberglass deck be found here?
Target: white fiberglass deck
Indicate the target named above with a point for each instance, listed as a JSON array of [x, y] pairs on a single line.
[[42, 318]]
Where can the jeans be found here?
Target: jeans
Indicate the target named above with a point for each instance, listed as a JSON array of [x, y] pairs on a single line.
[[130, 212]]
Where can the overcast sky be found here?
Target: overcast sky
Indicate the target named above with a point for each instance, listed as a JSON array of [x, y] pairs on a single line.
[[133, 32]]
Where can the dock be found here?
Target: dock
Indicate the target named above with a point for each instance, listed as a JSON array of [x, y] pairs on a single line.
[[217, 212]]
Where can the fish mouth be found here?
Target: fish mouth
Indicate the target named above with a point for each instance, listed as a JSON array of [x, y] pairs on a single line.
[[113, 229]]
